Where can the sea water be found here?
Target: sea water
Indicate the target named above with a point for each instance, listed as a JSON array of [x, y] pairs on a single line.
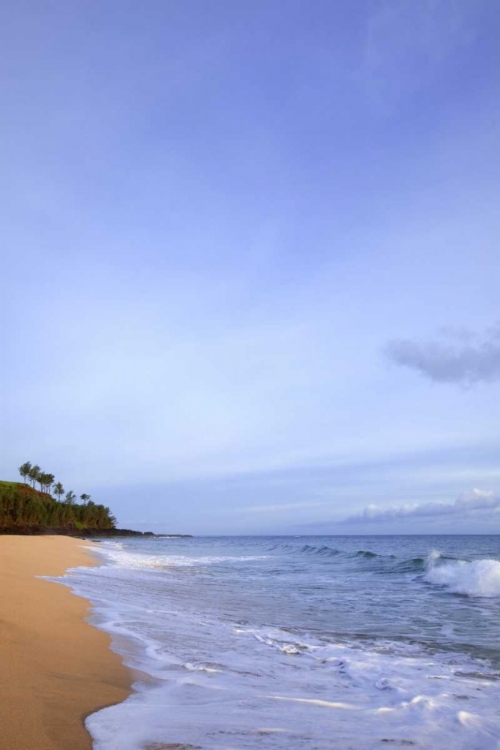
[[309, 643]]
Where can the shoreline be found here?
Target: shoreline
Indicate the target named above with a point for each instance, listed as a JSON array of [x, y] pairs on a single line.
[[57, 668]]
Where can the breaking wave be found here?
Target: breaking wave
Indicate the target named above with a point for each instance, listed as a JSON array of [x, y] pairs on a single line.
[[478, 578]]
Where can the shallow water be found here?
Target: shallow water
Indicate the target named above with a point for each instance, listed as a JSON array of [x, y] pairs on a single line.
[[301, 642]]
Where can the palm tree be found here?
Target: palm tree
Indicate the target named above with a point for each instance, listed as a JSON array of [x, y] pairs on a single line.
[[24, 470], [46, 480], [70, 498], [84, 498], [58, 490], [50, 479], [34, 474]]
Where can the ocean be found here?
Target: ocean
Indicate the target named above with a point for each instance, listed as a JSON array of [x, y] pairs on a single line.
[[300, 643]]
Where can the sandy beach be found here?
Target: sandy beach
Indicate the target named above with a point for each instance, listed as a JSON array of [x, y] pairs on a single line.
[[56, 668]]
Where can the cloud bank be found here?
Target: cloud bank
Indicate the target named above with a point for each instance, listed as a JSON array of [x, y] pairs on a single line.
[[458, 358], [468, 503]]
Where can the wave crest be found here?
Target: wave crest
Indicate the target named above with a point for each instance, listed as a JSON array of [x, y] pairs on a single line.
[[477, 578]]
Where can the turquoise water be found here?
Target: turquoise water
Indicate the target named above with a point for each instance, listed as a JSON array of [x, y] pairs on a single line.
[[302, 642]]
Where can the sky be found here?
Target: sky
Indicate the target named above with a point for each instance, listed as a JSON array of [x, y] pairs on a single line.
[[250, 261]]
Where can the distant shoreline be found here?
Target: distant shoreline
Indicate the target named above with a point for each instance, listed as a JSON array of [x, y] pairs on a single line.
[[85, 533], [58, 669]]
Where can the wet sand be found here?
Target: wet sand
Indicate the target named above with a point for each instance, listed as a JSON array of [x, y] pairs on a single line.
[[55, 667]]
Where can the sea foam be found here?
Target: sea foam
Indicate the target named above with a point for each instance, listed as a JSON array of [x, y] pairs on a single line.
[[477, 578], [303, 644]]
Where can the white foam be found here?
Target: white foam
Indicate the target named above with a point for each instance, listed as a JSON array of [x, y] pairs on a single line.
[[136, 560], [477, 578], [330, 696], [221, 682], [432, 558]]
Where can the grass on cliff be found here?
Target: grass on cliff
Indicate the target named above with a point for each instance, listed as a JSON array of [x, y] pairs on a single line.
[[23, 506]]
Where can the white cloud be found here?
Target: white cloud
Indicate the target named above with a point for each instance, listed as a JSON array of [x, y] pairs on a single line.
[[475, 501], [456, 358]]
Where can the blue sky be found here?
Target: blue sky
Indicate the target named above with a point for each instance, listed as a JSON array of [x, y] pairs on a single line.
[[251, 261]]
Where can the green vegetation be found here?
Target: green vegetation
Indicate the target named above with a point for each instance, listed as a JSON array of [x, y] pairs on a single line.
[[23, 506]]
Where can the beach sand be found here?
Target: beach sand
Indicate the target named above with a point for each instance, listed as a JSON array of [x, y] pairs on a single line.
[[55, 667]]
